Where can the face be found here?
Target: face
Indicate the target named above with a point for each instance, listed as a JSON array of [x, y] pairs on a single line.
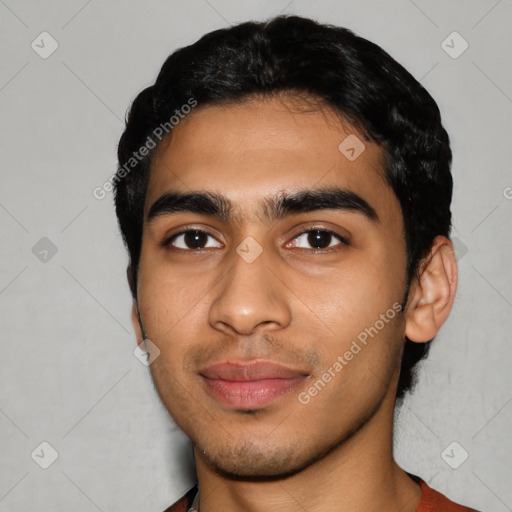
[[272, 267]]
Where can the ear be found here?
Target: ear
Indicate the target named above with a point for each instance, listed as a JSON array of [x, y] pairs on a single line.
[[131, 281], [136, 322], [432, 294]]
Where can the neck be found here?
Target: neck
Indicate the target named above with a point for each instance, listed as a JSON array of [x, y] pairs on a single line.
[[360, 474]]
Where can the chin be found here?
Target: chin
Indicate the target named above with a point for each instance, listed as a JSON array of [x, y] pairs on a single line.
[[261, 460], [253, 462]]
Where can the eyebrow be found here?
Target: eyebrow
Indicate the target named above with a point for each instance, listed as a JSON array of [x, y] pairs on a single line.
[[273, 208]]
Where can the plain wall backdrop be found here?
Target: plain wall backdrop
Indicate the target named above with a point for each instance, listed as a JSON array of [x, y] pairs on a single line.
[[69, 377]]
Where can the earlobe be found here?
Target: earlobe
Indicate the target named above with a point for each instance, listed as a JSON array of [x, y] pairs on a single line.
[[432, 294]]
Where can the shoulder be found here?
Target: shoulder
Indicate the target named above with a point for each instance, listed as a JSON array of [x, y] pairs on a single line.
[[434, 501], [184, 503]]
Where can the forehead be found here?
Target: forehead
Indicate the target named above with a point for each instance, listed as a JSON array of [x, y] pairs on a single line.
[[258, 148]]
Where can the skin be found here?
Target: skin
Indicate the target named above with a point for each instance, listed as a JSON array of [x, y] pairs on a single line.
[[292, 304]]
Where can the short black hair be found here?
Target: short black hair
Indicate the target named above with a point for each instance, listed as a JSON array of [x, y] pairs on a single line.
[[351, 75]]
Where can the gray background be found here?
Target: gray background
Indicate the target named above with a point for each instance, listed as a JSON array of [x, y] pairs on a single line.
[[68, 373]]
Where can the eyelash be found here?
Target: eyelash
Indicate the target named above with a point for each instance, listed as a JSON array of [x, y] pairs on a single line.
[[343, 241]]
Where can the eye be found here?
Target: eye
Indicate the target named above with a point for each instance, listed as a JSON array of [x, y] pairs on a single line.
[[318, 239], [192, 239]]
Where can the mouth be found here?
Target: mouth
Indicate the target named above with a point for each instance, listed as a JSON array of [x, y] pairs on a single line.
[[252, 385]]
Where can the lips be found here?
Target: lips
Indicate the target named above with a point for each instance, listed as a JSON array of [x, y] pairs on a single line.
[[251, 385]]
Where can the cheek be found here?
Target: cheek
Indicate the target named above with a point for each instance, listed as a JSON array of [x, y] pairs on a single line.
[[351, 300], [168, 302], [366, 332], [356, 374]]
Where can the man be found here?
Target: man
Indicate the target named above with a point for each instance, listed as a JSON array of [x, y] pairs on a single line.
[[284, 193]]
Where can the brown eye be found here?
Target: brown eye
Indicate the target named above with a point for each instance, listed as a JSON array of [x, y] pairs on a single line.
[[192, 239], [318, 239]]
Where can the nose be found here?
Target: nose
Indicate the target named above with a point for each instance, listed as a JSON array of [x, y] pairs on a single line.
[[249, 297]]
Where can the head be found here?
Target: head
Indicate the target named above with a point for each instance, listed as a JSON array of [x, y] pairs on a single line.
[[253, 136]]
